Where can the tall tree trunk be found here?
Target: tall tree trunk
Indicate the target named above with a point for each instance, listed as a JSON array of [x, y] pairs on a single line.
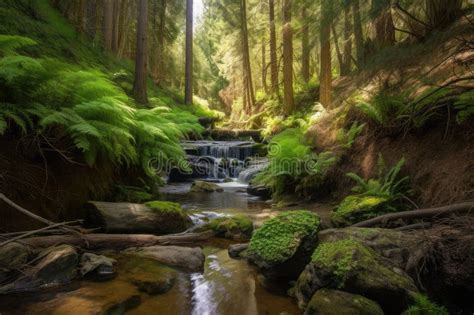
[[336, 46], [273, 54], [264, 67], [247, 70], [116, 24], [347, 56], [383, 28], [108, 23], [80, 17], [139, 85], [289, 100], [188, 90], [325, 88], [358, 34], [91, 17], [161, 43], [305, 48], [441, 13]]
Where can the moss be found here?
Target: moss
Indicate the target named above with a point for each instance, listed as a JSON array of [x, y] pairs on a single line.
[[354, 209], [334, 302], [279, 238], [423, 306], [239, 224], [165, 207]]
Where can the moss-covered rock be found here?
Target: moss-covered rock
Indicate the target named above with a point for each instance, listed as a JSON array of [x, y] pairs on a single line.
[[202, 186], [172, 218], [335, 302], [354, 209], [352, 267], [388, 243], [283, 245], [238, 228]]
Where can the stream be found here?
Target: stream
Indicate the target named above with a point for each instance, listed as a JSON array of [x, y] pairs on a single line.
[[227, 286]]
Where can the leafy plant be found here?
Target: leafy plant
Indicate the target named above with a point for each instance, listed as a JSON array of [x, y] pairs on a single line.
[[347, 138], [423, 306], [388, 184], [465, 107]]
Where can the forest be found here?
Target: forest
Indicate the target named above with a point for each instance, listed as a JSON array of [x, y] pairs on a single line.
[[221, 157]]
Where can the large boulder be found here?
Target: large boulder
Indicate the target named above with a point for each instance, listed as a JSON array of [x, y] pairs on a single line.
[[355, 209], [350, 266], [97, 266], [391, 244], [283, 245], [237, 228], [200, 186], [154, 217], [191, 259], [335, 302]]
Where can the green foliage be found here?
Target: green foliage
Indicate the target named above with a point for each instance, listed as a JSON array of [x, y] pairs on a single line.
[[354, 209], [387, 185], [279, 238], [347, 138], [465, 106], [293, 166], [423, 306], [383, 107], [9, 44]]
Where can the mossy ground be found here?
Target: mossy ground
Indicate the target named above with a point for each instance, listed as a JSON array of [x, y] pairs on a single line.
[[357, 208], [279, 238]]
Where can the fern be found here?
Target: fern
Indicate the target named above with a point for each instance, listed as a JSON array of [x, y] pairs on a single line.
[[464, 105], [9, 44], [347, 138]]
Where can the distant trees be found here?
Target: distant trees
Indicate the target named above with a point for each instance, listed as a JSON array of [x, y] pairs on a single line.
[[188, 91], [140, 82], [289, 100], [273, 53], [248, 90], [325, 76]]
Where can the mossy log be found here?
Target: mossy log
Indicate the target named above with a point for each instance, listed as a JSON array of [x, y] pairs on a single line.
[[117, 241], [155, 217], [417, 214], [226, 134]]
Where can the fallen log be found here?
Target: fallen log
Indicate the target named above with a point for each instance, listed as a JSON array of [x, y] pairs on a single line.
[[229, 134], [117, 241], [416, 214]]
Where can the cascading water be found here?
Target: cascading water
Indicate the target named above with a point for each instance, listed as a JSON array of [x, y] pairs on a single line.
[[217, 160]]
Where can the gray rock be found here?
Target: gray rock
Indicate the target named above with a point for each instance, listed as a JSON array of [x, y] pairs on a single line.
[[236, 249], [176, 256], [100, 267], [13, 255]]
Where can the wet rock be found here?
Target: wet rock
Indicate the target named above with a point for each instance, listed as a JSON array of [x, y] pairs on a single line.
[[259, 191], [184, 257], [334, 302], [172, 218], [349, 266], [355, 209], [97, 266], [237, 228], [391, 244], [202, 186], [59, 265], [282, 247], [124, 306], [236, 249], [13, 255]]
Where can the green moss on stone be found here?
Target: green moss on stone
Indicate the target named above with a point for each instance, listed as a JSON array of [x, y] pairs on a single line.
[[334, 302], [236, 224], [173, 218], [279, 238], [165, 206], [354, 209], [423, 306]]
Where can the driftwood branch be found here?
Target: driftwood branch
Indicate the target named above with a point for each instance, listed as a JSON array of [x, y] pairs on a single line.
[[117, 241], [416, 214]]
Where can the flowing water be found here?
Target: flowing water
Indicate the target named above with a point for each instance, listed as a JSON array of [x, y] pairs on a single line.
[[227, 286]]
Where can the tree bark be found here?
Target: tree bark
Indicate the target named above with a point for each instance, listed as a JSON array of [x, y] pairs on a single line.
[[336, 46], [325, 88], [161, 43], [441, 13], [273, 54], [116, 24], [80, 17], [305, 48], [249, 94], [383, 27], [289, 101], [358, 34], [188, 90], [140, 84], [108, 23], [347, 56], [264, 67]]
